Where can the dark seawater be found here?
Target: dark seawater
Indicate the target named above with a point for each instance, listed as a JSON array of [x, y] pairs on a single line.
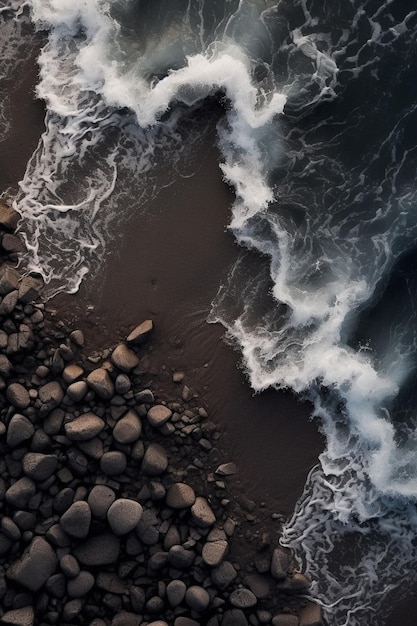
[[316, 131]]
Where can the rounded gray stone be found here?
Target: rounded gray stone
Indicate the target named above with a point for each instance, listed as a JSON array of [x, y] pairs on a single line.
[[69, 566], [98, 550], [285, 620], [223, 575], [20, 429], [20, 493], [84, 427], [124, 515], [158, 415], [77, 519], [80, 585], [197, 598], [18, 396], [155, 460], [214, 552], [176, 592], [77, 390], [100, 499], [180, 558], [39, 466], [202, 513], [36, 565], [242, 598], [122, 384], [101, 383], [24, 616], [113, 463], [180, 496], [124, 358], [51, 394], [128, 429]]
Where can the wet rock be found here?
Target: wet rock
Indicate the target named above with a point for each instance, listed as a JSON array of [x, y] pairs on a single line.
[[296, 583], [29, 289], [38, 466], [258, 584], [176, 592], [100, 499], [98, 550], [141, 333], [37, 563], [113, 463], [84, 427], [128, 429], [124, 358], [19, 617], [18, 396], [8, 302], [124, 515], [20, 429], [101, 383], [9, 218], [197, 598], [155, 460], [310, 615], [9, 279], [158, 415], [180, 496], [202, 513], [242, 598], [280, 563], [77, 519]]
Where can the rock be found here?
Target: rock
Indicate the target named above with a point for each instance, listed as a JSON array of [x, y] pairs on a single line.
[[280, 563], [124, 358], [39, 466], [141, 333], [214, 552], [12, 244], [9, 279], [122, 384], [158, 415], [33, 569], [100, 499], [29, 289], [223, 575], [128, 429], [124, 515], [8, 302], [234, 617], [51, 395], [98, 550], [296, 583], [180, 496], [20, 493], [113, 463], [258, 584], [180, 558], [310, 615], [77, 337], [155, 460], [77, 519], [20, 429], [285, 619], [72, 372], [185, 621], [72, 609], [197, 598], [101, 383], [80, 585], [84, 427], [9, 218], [202, 514], [145, 397], [242, 598], [18, 396], [69, 566], [175, 592], [126, 618], [19, 617], [5, 366], [77, 391], [227, 469]]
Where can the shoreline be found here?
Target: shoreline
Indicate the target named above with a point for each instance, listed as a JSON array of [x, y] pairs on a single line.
[[172, 460]]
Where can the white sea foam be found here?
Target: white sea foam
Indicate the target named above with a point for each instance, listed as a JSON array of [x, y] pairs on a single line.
[[331, 214]]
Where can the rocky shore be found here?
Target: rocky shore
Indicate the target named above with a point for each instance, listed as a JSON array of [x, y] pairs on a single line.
[[119, 507]]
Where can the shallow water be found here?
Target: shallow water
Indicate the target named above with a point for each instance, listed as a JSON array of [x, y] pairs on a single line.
[[315, 109]]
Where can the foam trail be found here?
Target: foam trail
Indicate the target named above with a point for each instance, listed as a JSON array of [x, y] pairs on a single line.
[[318, 140]]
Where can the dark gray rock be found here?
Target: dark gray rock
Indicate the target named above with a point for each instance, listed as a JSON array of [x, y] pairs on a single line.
[[77, 390], [180, 496], [33, 569], [214, 552], [242, 598], [155, 460], [19, 617], [113, 463], [158, 415], [223, 575], [80, 585], [197, 598], [98, 550], [20, 493], [100, 499], [20, 429], [8, 302], [38, 466], [180, 558], [18, 396], [69, 566], [124, 358], [202, 513], [311, 615], [51, 395], [234, 617], [141, 333], [6, 367], [280, 563], [84, 427], [128, 429], [176, 592], [124, 515], [285, 619], [126, 618], [101, 383], [77, 519]]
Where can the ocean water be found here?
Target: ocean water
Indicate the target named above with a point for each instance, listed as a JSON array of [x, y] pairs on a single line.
[[317, 110]]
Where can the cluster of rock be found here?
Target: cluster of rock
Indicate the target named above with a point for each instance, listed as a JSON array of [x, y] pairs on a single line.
[[101, 521]]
